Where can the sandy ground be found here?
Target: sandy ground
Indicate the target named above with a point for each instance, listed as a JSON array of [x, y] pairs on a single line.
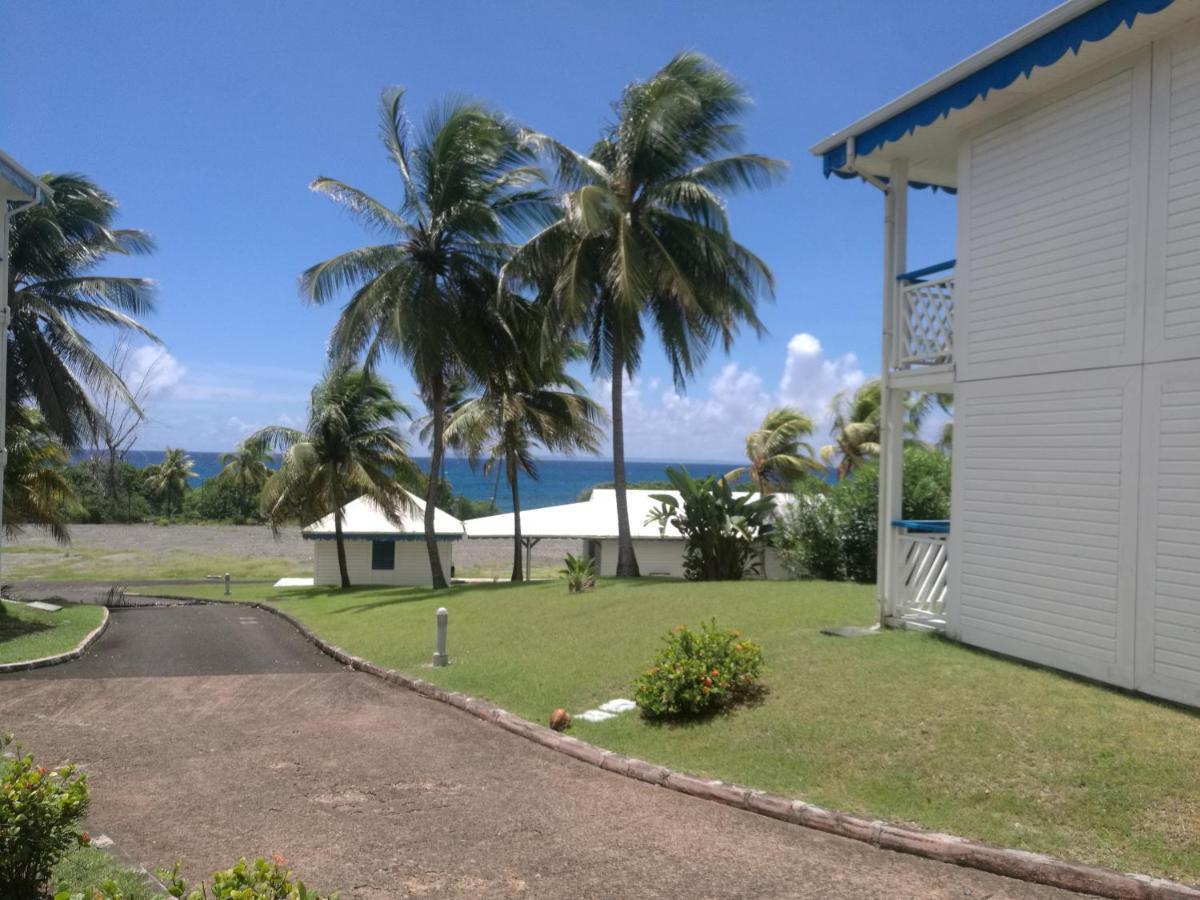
[[471, 557], [194, 752]]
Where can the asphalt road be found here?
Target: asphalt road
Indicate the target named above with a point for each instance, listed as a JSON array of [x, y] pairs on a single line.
[[211, 732]]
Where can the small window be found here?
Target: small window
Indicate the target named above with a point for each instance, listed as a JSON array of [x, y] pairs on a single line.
[[383, 554]]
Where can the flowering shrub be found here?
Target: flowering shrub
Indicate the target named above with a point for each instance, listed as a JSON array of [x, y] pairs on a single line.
[[698, 672], [260, 880], [40, 812]]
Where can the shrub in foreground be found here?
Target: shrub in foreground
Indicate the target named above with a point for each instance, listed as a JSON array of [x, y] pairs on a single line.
[[698, 672], [580, 572], [260, 880], [40, 811]]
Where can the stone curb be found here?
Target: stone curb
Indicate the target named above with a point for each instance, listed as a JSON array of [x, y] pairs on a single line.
[[42, 662], [1019, 864]]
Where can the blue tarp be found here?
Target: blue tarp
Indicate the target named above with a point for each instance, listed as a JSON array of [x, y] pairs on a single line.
[[1094, 25]]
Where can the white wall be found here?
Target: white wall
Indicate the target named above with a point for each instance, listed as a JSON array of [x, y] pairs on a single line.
[[412, 563], [1076, 510], [665, 557]]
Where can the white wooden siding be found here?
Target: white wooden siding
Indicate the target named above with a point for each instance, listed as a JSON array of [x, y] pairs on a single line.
[[412, 563], [1044, 520], [1173, 284], [1168, 647], [1052, 230], [654, 556]]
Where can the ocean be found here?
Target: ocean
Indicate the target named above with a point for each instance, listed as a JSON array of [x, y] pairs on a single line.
[[560, 481]]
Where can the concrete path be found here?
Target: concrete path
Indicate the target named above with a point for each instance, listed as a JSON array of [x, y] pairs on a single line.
[[209, 732]]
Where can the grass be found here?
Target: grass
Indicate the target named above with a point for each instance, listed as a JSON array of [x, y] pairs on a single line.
[[87, 867], [31, 633], [95, 562], [903, 726]]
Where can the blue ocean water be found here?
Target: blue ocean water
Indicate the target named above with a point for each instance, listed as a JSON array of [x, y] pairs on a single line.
[[560, 481]]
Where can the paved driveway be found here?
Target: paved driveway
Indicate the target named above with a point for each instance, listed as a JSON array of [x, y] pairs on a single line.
[[209, 732]]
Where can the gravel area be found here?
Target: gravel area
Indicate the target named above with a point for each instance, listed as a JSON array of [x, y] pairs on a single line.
[[490, 556]]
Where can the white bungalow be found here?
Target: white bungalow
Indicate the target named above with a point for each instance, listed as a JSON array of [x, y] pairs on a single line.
[[1069, 334], [594, 523], [379, 551]]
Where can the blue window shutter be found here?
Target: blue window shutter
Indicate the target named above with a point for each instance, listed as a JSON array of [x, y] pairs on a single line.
[[383, 555]]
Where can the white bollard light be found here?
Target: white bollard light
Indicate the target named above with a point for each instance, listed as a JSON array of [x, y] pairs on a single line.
[[226, 584], [439, 657]]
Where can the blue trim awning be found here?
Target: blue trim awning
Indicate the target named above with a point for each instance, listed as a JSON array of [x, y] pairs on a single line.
[[18, 180], [1093, 25]]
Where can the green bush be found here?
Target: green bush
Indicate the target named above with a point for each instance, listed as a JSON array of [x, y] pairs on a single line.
[[835, 535], [40, 811], [698, 672], [260, 880]]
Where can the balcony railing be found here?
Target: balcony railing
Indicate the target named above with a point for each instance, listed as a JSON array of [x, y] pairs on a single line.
[[925, 330], [922, 570]]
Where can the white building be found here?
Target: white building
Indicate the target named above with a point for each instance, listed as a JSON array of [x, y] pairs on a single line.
[[1069, 334], [379, 551], [594, 524]]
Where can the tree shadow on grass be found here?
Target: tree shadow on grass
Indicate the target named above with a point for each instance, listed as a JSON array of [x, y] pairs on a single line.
[[749, 699], [415, 595], [12, 628]]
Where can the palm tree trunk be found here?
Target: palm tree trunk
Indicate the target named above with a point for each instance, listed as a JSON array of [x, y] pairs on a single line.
[[627, 566], [511, 466], [438, 402], [341, 547]]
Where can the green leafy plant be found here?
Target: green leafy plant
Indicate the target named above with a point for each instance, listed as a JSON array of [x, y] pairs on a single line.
[[580, 572], [723, 531], [699, 672], [40, 811], [260, 880]]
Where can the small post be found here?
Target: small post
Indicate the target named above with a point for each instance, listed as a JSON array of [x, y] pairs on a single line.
[[226, 584], [439, 657]]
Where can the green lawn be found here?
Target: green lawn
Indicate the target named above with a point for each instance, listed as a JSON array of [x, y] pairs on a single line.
[[30, 633], [85, 868], [904, 726]]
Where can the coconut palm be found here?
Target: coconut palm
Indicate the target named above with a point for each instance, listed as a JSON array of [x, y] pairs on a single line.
[[857, 419], [246, 470], [467, 191], [169, 479], [53, 288], [776, 452], [37, 492], [644, 241], [528, 402], [351, 447]]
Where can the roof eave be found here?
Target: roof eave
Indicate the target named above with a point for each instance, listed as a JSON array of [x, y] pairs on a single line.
[[1042, 25]]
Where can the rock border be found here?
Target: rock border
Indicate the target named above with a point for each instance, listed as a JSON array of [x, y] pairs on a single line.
[[43, 661], [1019, 864]]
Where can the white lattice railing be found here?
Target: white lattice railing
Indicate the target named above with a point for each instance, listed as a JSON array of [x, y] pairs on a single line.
[[921, 578], [925, 332]]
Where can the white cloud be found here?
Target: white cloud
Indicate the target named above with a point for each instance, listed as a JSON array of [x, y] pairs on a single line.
[[153, 372], [810, 379], [711, 421]]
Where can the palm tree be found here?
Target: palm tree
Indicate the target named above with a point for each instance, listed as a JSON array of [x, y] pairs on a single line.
[[246, 470], [37, 492], [855, 429], [644, 240], [856, 426], [53, 288], [467, 191], [169, 479], [777, 455], [528, 401], [351, 447]]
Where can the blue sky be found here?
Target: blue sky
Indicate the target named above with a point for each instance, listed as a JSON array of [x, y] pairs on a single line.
[[208, 121]]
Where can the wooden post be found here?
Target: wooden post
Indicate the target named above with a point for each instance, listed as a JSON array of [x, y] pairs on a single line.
[[891, 428]]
